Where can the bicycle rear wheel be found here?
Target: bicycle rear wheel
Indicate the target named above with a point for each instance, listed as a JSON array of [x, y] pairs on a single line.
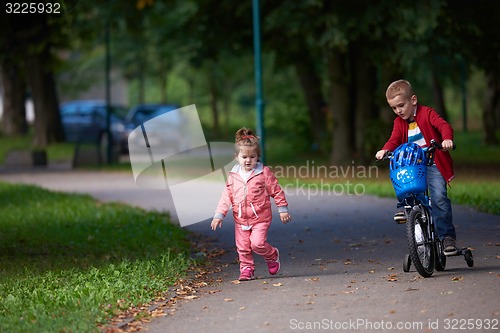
[[419, 243]]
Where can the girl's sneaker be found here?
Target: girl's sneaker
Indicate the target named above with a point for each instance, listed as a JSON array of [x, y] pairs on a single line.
[[246, 274], [274, 265]]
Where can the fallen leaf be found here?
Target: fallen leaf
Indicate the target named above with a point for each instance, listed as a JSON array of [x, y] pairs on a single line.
[[315, 279], [243, 308], [190, 297], [371, 271], [457, 278], [228, 299], [277, 284], [236, 282], [158, 313], [392, 277], [214, 291], [390, 268]]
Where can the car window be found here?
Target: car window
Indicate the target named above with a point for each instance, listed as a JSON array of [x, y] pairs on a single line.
[[86, 110], [69, 110], [120, 111]]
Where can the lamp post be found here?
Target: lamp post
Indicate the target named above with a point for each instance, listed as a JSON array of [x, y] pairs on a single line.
[[259, 99], [109, 147]]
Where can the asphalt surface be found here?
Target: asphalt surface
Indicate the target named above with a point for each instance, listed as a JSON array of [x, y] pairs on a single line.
[[341, 267]]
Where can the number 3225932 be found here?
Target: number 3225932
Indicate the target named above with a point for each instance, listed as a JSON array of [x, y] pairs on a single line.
[[32, 8]]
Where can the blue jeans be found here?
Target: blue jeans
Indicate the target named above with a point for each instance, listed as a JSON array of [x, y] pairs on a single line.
[[440, 203]]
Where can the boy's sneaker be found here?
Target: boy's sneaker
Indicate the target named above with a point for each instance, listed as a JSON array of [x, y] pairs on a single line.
[[246, 274], [274, 265], [400, 216], [449, 245]]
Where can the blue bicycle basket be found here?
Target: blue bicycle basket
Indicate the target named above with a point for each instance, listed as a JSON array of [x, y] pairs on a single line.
[[408, 170]]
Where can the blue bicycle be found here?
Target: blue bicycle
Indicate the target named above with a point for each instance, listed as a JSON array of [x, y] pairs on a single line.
[[408, 173]]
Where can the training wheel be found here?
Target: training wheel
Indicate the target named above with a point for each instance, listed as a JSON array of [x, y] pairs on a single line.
[[468, 257], [407, 263]]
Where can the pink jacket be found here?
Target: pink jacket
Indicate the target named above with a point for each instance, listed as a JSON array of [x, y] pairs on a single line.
[[432, 126], [250, 200]]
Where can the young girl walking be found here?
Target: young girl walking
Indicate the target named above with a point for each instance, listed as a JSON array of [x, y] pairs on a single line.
[[249, 187]]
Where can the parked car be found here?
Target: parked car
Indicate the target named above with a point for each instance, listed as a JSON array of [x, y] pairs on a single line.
[[141, 113], [84, 121], [162, 132]]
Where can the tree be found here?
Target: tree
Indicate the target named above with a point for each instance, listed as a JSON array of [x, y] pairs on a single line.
[[13, 83], [29, 51], [476, 27], [289, 32]]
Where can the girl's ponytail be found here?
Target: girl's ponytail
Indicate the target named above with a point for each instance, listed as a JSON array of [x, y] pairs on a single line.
[[245, 137]]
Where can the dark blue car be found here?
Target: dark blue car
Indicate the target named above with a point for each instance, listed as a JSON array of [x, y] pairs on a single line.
[[141, 113], [84, 121]]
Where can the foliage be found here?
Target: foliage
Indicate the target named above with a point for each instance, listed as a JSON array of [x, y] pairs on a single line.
[[201, 52], [69, 263]]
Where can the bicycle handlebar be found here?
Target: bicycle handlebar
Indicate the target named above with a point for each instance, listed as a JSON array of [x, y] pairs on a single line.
[[429, 151]]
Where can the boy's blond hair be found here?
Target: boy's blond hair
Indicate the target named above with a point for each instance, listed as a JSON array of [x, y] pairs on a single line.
[[399, 87]]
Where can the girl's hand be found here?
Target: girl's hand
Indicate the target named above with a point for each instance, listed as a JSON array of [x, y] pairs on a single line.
[[285, 217], [216, 223]]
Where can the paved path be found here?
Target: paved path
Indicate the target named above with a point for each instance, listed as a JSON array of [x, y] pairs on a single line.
[[341, 267]]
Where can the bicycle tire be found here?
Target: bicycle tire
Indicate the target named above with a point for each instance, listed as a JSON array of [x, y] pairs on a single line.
[[420, 245]]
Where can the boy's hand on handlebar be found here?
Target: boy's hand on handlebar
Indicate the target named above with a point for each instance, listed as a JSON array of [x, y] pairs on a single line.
[[380, 154], [447, 144]]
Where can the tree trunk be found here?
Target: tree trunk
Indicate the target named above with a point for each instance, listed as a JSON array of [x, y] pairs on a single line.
[[48, 127], [437, 91], [365, 111], [14, 111], [311, 86], [492, 105], [212, 86], [164, 86], [339, 107]]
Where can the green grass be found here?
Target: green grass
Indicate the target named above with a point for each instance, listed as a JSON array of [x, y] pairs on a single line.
[[55, 152], [480, 194], [69, 263]]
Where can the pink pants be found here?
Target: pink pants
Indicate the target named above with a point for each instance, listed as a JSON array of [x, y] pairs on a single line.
[[254, 240]]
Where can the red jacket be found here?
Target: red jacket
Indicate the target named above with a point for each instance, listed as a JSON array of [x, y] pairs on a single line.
[[432, 126], [250, 200]]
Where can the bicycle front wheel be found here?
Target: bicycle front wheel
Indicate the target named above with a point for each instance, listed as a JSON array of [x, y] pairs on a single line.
[[419, 242]]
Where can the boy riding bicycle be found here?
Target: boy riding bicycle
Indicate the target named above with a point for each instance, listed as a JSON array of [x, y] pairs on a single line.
[[420, 124]]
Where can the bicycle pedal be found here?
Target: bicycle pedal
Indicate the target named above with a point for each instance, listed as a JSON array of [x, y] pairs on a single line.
[[400, 220], [451, 253]]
